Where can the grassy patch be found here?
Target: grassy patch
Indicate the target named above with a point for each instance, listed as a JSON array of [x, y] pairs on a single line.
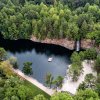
[[35, 89]]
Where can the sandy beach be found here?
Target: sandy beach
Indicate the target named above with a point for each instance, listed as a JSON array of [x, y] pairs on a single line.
[[72, 87]]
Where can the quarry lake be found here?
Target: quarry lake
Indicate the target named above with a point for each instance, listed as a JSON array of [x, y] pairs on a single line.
[[38, 54]]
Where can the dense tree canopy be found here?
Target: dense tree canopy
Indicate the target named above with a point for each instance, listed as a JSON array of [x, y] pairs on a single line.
[[50, 18], [39, 97], [97, 62], [87, 94], [90, 54], [12, 87], [27, 69], [13, 62], [71, 19], [3, 54], [61, 96], [49, 79], [76, 67]]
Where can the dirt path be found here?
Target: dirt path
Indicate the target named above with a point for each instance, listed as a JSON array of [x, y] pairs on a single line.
[[72, 87], [35, 82]]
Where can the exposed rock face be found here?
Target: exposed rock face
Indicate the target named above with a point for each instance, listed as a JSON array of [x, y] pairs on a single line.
[[86, 43], [62, 42], [70, 44]]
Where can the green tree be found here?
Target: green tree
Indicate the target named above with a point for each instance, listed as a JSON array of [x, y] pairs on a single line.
[[58, 81], [90, 78], [15, 88], [81, 54], [95, 37], [84, 29], [97, 63], [73, 31], [39, 97], [87, 94], [27, 69], [75, 71], [3, 54], [13, 62], [14, 98], [89, 82], [49, 79], [2, 74], [98, 88], [23, 92], [76, 67], [82, 86], [90, 54], [93, 9], [24, 18], [61, 96], [75, 58], [6, 70], [98, 84]]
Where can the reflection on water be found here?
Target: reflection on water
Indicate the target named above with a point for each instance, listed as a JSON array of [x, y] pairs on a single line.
[[38, 54]]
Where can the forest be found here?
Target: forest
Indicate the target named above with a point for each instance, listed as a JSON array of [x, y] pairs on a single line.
[[71, 19], [54, 19], [14, 87]]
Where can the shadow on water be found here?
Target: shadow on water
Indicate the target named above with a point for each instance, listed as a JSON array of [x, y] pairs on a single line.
[[23, 45], [38, 54]]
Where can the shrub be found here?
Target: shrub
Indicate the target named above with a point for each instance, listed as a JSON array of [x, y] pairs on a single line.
[[13, 62]]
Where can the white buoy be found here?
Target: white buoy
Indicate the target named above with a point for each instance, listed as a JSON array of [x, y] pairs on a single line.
[[50, 59]]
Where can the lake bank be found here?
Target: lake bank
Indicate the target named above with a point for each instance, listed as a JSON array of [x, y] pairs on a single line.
[[34, 82], [38, 54], [68, 85], [69, 44]]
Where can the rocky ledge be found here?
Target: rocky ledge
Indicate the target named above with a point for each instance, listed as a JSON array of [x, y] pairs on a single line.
[[62, 42], [70, 44]]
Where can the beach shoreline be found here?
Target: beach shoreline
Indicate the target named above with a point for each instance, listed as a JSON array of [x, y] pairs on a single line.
[[70, 86]]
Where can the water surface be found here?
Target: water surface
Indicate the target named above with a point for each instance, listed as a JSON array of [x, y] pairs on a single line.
[[38, 54]]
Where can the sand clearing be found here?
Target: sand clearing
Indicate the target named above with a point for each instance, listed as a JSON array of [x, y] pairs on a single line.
[[70, 86]]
